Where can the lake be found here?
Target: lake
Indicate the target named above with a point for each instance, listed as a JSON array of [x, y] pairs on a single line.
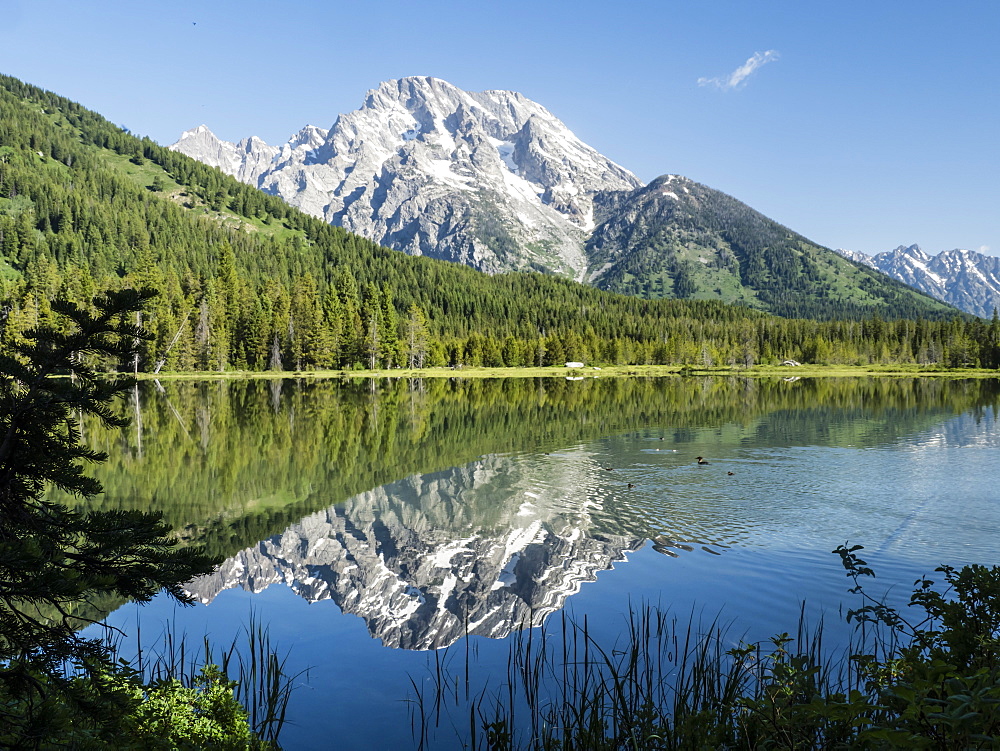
[[382, 529]]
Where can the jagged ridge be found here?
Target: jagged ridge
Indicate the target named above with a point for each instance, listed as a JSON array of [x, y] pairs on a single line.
[[964, 278]]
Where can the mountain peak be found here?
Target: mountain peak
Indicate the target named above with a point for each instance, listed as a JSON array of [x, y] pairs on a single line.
[[200, 132], [490, 179], [493, 180]]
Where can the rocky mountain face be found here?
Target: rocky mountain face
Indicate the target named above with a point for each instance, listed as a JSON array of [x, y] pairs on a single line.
[[964, 278], [858, 257], [478, 549], [245, 160], [489, 179]]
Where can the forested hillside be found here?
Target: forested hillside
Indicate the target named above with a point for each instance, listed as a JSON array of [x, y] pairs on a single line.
[[247, 282], [678, 238]]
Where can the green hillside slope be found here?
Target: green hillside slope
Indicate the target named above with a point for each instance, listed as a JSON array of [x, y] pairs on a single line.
[[248, 282], [678, 238]]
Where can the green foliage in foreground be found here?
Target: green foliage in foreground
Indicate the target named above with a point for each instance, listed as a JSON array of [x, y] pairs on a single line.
[[58, 689], [113, 708], [928, 683]]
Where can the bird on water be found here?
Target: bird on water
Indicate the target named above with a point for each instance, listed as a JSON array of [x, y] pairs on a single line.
[[701, 460]]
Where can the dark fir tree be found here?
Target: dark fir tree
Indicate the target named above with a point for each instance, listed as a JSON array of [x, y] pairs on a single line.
[[54, 558]]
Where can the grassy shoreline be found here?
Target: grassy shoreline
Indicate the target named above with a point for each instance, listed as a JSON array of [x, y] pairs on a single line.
[[609, 371]]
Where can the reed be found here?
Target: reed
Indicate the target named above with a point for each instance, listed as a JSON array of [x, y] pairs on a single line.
[[665, 683]]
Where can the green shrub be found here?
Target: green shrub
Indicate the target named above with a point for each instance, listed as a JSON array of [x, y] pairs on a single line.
[[115, 710]]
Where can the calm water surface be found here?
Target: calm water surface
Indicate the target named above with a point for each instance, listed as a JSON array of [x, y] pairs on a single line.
[[370, 525]]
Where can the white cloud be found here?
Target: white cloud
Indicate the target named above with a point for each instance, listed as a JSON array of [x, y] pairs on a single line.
[[737, 78], [984, 249]]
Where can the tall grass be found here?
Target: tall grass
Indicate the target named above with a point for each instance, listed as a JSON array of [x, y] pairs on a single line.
[[664, 683], [925, 682], [263, 684]]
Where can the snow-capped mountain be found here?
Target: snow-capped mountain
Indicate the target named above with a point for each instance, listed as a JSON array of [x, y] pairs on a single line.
[[490, 179], [481, 549], [968, 280], [245, 160]]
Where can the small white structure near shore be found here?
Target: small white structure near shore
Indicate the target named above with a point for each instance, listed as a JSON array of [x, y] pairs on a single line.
[[574, 365]]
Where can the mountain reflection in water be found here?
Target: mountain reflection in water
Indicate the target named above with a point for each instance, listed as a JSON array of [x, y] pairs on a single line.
[[500, 543], [438, 508]]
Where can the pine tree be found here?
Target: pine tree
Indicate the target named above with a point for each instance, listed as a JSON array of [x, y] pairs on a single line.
[[54, 558], [371, 310], [416, 337]]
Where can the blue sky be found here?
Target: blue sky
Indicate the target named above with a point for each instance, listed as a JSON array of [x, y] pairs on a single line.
[[862, 125]]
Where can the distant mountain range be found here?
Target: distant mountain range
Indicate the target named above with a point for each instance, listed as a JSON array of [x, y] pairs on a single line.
[[964, 278], [493, 180]]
